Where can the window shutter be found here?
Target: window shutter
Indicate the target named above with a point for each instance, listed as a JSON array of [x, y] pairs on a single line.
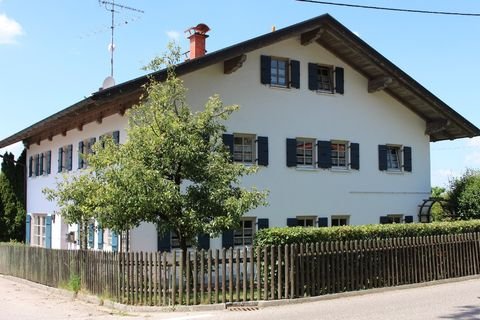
[[408, 219], [91, 235], [265, 69], [203, 241], [407, 159], [49, 162], [28, 228], [100, 238], [69, 157], [312, 76], [80, 155], [324, 153], [384, 220], [114, 241], [262, 146], [30, 166], [291, 222], [295, 74], [339, 87], [42, 158], [322, 222], [262, 224], [227, 239], [37, 164], [291, 152], [382, 157], [48, 232], [60, 159], [355, 156], [163, 241], [116, 137], [228, 142]]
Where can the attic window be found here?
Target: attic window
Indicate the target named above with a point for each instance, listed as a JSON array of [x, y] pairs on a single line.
[[279, 72]]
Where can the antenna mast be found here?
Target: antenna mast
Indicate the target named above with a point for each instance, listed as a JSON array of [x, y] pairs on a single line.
[[111, 6]]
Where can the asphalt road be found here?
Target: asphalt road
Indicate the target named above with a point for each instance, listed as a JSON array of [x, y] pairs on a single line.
[[458, 300]]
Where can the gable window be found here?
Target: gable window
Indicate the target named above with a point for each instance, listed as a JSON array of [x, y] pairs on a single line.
[[244, 148], [338, 221], [65, 158], [394, 158], [243, 236], [324, 78], [305, 152], [39, 231], [280, 72], [339, 154]]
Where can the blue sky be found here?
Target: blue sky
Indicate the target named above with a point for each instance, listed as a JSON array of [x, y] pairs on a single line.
[[54, 53]]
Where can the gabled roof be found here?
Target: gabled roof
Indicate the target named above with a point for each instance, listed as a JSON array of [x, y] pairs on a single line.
[[442, 121]]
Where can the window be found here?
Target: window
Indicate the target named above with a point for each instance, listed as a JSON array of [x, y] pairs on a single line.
[[243, 236], [244, 148], [84, 148], [40, 164], [305, 152], [175, 241], [339, 154], [305, 221], [395, 218], [393, 158], [325, 78], [115, 135], [279, 72], [38, 233], [340, 221], [65, 158]]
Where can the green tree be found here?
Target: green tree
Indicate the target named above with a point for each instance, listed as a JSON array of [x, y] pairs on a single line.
[[464, 195], [173, 170]]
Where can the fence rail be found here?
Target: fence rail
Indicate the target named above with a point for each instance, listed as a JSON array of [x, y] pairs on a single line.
[[248, 274]]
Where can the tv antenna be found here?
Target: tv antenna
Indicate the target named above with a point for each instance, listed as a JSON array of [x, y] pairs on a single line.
[[112, 7]]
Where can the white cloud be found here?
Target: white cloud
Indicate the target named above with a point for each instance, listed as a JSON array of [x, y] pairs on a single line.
[[9, 29], [173, 35]]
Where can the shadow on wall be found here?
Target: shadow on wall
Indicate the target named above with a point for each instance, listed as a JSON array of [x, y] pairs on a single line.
[[465, 313]]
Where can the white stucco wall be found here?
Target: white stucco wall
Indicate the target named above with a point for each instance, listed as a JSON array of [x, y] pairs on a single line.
[[357, 116]]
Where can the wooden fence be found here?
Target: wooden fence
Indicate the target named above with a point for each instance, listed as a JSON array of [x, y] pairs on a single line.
[[239, 275]]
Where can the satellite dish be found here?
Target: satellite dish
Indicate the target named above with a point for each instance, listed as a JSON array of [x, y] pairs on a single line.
[[108, 82]]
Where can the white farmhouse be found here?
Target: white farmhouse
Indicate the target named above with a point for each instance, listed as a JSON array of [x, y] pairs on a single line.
[[341, 134]]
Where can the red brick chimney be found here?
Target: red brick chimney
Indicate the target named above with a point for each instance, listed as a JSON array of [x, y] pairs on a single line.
[[197, 38]]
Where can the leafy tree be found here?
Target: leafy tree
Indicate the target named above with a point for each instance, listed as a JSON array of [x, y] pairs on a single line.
[[464, 195], [173, 170]]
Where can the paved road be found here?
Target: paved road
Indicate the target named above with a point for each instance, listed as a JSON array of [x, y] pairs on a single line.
[[460, 300]]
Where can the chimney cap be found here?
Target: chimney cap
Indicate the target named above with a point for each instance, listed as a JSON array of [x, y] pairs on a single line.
[[201, 28]]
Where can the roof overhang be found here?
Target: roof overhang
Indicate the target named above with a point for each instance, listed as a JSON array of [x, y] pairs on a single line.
[[442, 122]]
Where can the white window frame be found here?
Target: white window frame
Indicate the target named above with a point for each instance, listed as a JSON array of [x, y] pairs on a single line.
[[306, 221], [391, 158], [303, 152], [395, 218], [243, 236], [322, 80], [38, 231], [274, 70], [340, 217], [346, 156], [240, 151]]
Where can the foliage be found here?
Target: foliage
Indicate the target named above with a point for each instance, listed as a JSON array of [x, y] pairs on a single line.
[[464, 195], [289, 235], [439, 210], [173, 170], [74, 283]]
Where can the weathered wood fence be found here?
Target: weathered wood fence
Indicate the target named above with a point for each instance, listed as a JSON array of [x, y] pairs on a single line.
[[238, 275]]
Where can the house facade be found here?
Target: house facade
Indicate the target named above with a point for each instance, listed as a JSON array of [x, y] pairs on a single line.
[[341, 135]]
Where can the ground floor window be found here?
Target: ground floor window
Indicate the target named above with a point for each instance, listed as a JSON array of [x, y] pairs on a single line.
[[338, 221], [395, 218], [38, 234], [175, 241], [305, 221], [243, 236]]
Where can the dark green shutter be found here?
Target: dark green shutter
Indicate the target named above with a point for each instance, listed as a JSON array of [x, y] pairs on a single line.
[[69, 157], [49, 162], [60, 159], [37, 164], [324, 154], [91, 235], [116, 137], [355, 156], [312, 76], [407, 159], [114, 241], [227, 239], [100, 238], [28, 228], [262, 145], [265, 69], [295, 74], [262, 224], [163, 241], [322, 222], [408, 219], [42, 158], [384, 220], [30, 166], [339, 87], [48, 232], [228, 142], [382, 157], [204, 241], [291, 152], [292, 222], [80, 155]]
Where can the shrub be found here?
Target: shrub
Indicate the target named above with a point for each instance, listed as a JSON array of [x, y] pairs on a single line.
[[74, 283], [289, 235]]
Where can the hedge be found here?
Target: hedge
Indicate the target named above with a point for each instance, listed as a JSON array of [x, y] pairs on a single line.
[[289, 235]]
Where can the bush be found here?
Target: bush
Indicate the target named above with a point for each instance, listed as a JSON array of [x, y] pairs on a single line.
[[289, 235], [464, 195], [74, 283]]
